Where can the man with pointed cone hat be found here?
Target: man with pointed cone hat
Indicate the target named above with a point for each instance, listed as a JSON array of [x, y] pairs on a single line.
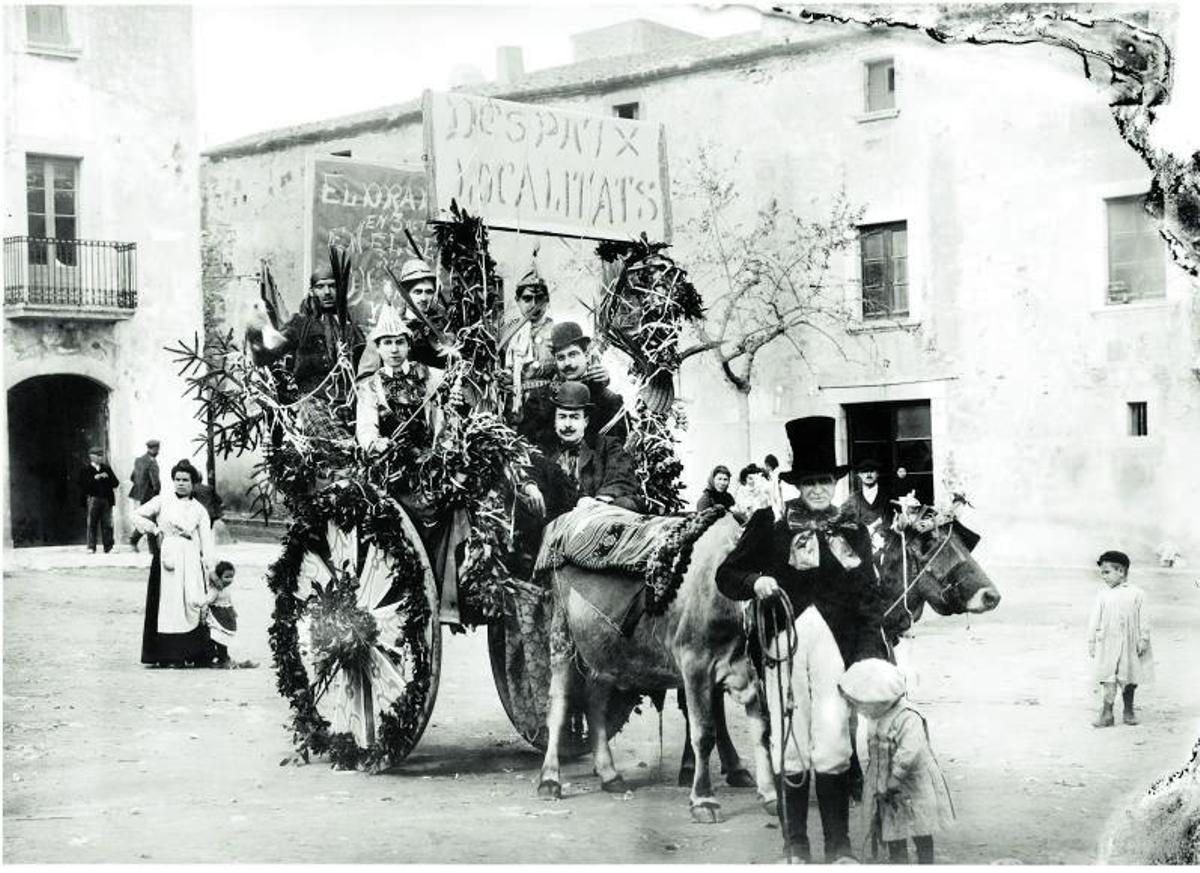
[[822, 561], [390, 400], [528, 357], [419, 310]]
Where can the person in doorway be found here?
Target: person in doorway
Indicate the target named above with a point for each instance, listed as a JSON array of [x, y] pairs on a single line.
[[97, 484], [573, 363], [906, 795], [821, 562], [716, 493], [902, 486], [145, 484], [1119, 638], [869, 503], [174, 633]]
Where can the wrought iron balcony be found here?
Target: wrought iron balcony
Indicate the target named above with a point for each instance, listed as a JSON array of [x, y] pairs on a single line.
[[78, 278]]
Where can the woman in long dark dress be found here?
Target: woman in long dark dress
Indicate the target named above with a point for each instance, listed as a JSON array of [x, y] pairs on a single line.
[[174, 632]]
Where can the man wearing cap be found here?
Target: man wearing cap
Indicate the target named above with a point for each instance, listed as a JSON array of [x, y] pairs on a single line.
[[392, 396], [145, 484], [869, 502], [572, 363], [97, 482], [420, 313], [571, 465], [528, 357], [822, 562], [312, 334]]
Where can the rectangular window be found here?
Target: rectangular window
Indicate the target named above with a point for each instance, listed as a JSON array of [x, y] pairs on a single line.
[[881, 85], [47, 26], [51, 199], [626, 110], [896, 436], [1136, 268], [1139, 421], [884, 250]]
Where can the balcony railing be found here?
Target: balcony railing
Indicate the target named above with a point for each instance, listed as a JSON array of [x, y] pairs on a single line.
[[83, 277]]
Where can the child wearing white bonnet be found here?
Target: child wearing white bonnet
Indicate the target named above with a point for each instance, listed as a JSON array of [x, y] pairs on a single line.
[[905, 795]]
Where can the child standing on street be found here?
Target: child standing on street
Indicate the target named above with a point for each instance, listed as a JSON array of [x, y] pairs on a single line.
[[1119, 638], [222, 617], [904, 792]]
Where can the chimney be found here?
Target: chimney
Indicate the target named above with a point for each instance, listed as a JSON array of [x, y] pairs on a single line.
[[510, 64]]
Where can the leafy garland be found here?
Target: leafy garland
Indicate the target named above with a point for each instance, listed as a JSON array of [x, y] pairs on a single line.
[[644, 312]]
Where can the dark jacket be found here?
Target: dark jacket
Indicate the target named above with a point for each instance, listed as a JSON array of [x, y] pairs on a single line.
[[867, 512], [537, 422], [848, 599], [98, 483], [713, 497], [145, 478], [604, 469], [311, 337]]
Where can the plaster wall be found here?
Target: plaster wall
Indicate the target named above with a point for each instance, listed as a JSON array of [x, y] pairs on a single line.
[[124, 105]]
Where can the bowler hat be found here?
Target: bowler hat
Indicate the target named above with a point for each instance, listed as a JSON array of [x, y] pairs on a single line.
[[1114, 557], [813, 452], [567, 333], [571, 395], [414, 270]]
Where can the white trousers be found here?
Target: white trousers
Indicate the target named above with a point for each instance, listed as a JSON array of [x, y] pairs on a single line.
[[820, 736]]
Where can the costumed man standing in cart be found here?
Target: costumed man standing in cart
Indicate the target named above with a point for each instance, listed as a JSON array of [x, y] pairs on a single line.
[[417, 288], [390, 400], [528, 357], [821, 560]]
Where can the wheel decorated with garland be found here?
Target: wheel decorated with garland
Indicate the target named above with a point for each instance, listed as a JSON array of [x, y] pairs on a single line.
[[356, 635]]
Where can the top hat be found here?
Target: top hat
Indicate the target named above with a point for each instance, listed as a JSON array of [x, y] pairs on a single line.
[[414, 270], [389, 323], [1114, 557], [813, 452], [571, 395], [567, 333]]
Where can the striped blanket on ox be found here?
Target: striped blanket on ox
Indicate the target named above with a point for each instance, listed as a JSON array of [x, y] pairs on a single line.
[[640, 559]]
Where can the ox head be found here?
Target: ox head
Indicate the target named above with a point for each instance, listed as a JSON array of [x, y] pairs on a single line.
[[927, 559]]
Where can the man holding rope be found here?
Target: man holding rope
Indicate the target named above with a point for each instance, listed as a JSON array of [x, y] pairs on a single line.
[[820, 562]]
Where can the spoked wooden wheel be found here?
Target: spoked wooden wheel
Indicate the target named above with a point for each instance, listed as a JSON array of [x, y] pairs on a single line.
[[519, 649], [370, 640]]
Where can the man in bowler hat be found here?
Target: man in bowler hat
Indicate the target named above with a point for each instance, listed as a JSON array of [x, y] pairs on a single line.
[[821, 561], [570, 347], [868, 503]]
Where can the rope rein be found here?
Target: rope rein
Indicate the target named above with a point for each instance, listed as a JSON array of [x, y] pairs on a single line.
[[778, 609]]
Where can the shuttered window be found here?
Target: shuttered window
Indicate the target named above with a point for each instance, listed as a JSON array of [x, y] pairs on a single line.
[[1136, 269], [884, 250], [47, 26]]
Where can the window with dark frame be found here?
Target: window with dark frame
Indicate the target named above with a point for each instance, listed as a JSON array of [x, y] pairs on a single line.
[[881, 85], [884, 254], [1136, 269], [1139, 421], [627, 110], [52, 204], [894, 435], [47, 26]]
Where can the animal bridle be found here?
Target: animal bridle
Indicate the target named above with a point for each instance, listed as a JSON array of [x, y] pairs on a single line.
[[909, 586]]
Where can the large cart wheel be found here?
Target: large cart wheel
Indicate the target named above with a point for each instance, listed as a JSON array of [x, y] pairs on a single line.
[[519, 649], [355, 699]]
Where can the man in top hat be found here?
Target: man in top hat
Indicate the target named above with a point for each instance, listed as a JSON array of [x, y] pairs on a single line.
[[822, 562], [572, 363], [869, 503], [97, 482], [528, 357], [312, 335], [572, 465], [145, 484], [393, 395]]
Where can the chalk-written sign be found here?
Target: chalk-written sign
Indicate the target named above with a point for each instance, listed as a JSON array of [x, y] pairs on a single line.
[[548, 170], [365, 208]]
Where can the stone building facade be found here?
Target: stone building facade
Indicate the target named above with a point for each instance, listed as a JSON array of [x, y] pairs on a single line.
[[101, 263], [1035, 344]]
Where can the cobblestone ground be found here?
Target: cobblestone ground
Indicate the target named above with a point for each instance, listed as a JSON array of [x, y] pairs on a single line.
[[107, 761]]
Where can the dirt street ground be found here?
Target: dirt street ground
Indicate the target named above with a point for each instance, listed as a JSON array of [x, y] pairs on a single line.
[[105, 761]]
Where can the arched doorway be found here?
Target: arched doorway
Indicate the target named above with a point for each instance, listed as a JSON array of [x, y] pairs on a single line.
[[52, 421]]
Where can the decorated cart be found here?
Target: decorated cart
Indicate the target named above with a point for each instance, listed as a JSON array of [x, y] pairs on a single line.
[[385, 551]]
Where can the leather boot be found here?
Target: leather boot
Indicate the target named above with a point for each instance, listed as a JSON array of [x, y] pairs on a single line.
[[1127, 694], [793, 802], [1105, 718], [833, 800]]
